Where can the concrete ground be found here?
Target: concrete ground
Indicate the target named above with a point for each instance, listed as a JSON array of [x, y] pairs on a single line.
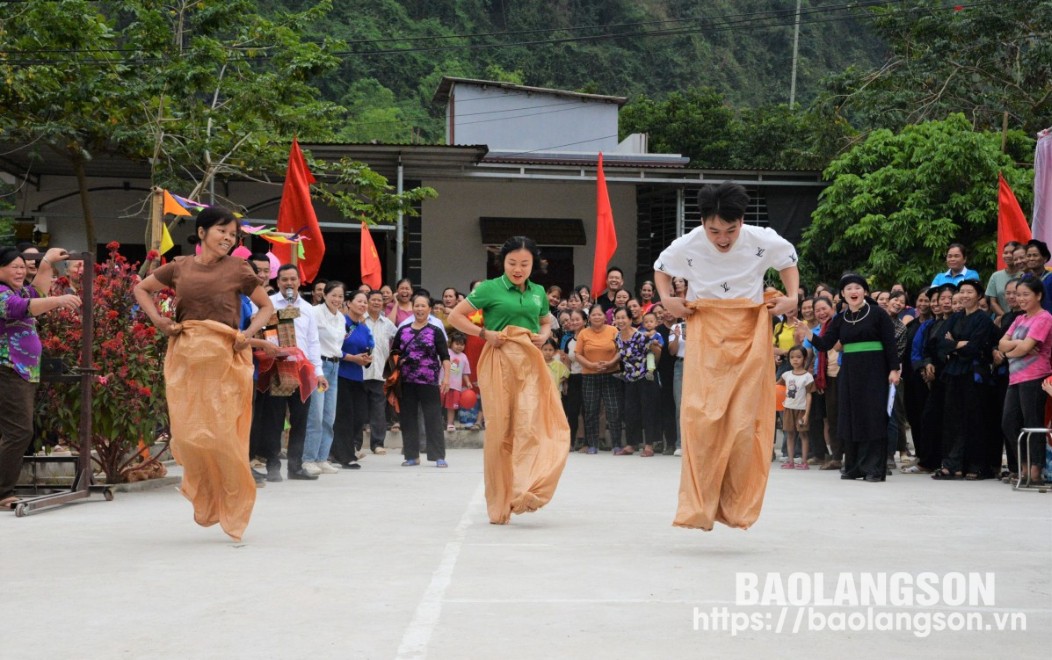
[[392, 562]]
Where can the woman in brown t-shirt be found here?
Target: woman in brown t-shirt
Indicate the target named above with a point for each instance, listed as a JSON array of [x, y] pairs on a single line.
[[208, 370], [599, 359]]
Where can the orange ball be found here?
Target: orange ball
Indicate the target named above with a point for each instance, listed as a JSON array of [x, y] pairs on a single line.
[[779, 397], [468, 399]]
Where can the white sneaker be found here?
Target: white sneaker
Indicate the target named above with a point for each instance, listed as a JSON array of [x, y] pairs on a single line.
[[327, 468], [678, 452], [311, 468]]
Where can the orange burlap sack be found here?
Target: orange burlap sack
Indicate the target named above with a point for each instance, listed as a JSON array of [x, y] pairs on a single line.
[[726, 414], [209, 390], [526, 431]]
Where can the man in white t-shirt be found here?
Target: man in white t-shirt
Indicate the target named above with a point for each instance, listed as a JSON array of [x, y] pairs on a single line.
[[725, 427]]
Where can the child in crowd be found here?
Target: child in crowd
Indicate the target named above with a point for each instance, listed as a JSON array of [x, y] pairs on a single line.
[[558, 370], [459, 377], [799, 383], [650, 324]]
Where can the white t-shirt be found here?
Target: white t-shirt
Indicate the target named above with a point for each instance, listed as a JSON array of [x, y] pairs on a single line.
[[796, 389], [737, 273]]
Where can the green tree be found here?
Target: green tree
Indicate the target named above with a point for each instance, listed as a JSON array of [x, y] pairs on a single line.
[[984, 59], [898, 199], [198, 90]]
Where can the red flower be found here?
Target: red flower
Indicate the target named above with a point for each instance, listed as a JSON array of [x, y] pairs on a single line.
[[151, 255], [113, 246], [958, 7]]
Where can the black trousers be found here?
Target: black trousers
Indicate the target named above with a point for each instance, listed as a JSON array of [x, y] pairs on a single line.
[[867, 458], [271, 410], [964, 439], [929, 441], [572, 404], [667, 411], [642, 411], [16, 426], [377, 404], [428, 400], [1024, 408], [352, 404]]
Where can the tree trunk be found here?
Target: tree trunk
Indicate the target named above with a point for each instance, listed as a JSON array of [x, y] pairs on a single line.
[[82, 187]]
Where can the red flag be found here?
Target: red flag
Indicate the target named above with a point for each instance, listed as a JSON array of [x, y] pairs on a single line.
[[1011, 225], [296, 215], [605, 233], [372, 271]]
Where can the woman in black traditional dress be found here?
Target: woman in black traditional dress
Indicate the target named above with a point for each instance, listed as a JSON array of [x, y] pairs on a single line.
[[870, 364]]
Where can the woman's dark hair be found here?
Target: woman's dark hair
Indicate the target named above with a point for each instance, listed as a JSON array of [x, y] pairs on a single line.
[[9, 254], [580, 313], [421, 293], [332, 285], [727, 200], [213, 216], [555, 288], [653, 288], [976, 286], [404, 279], [798, 349], [823, 299], [592, 307], [449, 288], [624, 309], [1041, 246], [520, 243], [1034, 285], [896, 294], [354, 294], [923, 292], [584, 287]]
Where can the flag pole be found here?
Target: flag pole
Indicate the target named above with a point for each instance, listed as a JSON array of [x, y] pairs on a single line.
[[156, 217]]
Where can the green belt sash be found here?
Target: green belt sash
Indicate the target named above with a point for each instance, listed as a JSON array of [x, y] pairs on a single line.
[[862, 347]]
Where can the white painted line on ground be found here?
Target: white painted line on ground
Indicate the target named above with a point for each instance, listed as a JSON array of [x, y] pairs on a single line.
[[418, 635]]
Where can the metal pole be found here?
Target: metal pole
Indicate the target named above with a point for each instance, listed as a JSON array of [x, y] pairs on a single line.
[[400, 225], [796, 50], [681, 212], [87, 373]]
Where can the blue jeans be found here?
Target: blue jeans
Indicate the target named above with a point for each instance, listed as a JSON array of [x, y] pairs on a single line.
[[321, 416]]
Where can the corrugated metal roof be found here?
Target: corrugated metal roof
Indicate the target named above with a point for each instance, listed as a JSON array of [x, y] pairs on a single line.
[[446, 87]]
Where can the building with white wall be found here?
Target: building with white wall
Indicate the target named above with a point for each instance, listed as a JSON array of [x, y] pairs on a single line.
[[518, 160]]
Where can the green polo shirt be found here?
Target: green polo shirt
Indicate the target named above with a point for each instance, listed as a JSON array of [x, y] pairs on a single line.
[[503, 304]]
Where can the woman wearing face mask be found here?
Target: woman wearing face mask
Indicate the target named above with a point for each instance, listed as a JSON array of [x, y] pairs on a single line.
[[870, 365]]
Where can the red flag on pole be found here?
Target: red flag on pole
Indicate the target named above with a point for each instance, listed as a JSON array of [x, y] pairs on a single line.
[[605, 233], [372, 271], [296, 215], [1011, 225]]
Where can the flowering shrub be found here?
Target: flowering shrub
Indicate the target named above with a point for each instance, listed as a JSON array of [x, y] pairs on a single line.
[[128, 402]]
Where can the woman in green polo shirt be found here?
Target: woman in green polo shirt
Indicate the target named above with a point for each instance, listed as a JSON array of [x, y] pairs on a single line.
[[525, 448]]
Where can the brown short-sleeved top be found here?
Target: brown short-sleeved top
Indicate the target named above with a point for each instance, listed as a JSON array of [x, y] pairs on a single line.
[[208, 292]]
